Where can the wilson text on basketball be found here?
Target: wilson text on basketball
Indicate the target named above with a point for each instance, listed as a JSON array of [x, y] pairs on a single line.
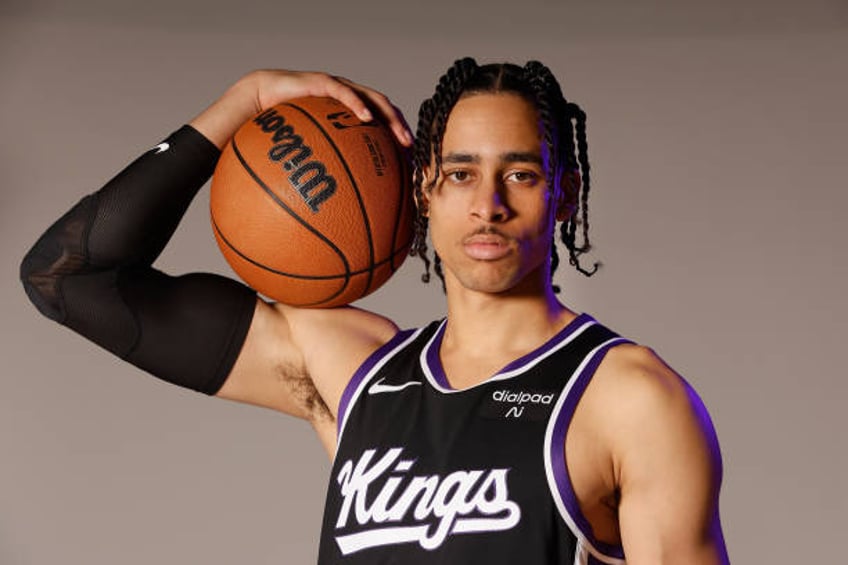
[[307, 175]]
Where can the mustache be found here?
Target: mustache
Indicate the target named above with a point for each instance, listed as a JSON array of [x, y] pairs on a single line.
[[486, 230]]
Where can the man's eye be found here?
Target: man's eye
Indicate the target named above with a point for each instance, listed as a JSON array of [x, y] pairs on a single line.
[[524, 177], [457, 176]]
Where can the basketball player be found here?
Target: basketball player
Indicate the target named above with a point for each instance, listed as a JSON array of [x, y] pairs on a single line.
[[513, 431]]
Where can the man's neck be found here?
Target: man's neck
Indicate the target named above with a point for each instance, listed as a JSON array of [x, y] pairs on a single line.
[[494, 329]]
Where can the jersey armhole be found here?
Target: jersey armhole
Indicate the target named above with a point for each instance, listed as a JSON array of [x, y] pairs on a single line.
[[589, 548]]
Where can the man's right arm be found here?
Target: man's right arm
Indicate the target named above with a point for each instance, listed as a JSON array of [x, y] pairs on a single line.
[[91, 270]]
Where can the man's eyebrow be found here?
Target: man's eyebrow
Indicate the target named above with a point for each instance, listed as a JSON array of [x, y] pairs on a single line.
[[521, 157], [460, 158], [509, 157]]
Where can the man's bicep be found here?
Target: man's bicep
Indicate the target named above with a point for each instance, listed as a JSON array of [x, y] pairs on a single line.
[[669, 468], [299, 360], [270, 371]]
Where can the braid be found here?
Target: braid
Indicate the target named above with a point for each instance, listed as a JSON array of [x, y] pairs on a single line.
[[563, 135], [562, 141], [419, 239], [579, 117], [437, 266], [554, 262], [432, 118]]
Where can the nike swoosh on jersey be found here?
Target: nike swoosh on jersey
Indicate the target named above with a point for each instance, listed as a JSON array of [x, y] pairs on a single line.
[[162, 147], [379, 387]]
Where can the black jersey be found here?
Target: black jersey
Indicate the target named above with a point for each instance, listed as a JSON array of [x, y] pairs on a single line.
[[427, 474]]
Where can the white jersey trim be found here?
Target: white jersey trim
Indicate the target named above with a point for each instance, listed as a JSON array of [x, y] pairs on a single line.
[[500, 375]]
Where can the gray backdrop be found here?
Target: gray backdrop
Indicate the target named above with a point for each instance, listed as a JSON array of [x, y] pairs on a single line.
[[717, 141]]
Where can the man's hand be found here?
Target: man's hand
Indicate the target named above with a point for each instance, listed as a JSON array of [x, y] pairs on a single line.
[[259, 90]]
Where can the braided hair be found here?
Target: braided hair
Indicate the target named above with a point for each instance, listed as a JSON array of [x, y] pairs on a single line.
[[563, 138]]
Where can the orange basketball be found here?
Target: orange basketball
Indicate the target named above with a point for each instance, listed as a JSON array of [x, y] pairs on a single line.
[[311, 206]]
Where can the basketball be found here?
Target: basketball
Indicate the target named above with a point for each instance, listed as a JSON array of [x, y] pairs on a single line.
[[311, 206]]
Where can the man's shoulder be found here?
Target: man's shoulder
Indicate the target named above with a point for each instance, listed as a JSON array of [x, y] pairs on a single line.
[[642, 399], [634, 378], [630, 369], [633, 385]]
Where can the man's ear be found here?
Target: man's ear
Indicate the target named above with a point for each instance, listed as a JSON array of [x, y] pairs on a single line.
[[567, 195]]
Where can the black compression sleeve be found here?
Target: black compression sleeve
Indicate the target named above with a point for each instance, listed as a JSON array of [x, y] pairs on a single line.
[[91, 271]]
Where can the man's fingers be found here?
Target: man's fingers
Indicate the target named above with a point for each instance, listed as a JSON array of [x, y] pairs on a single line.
[[283, 85], [405, 130], [397, 122], [393, 115], [344, 91]]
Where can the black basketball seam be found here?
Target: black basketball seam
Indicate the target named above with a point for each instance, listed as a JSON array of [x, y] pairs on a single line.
[[292, 213], [267, 268], [353, 183], [349, 274]]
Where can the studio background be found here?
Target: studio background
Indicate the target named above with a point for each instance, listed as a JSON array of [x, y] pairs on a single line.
[[717, 142]]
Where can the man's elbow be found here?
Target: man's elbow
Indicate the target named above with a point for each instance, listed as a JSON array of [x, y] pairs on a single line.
[[57, 255]]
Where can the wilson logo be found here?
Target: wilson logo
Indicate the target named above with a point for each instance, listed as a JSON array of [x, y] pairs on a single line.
[[308, 177], [431, 507]]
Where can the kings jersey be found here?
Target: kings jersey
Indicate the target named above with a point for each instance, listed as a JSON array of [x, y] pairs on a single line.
[[425, 474]]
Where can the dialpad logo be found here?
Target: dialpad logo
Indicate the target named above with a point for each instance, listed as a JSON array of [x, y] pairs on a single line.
[[425, 509], [518, 404]]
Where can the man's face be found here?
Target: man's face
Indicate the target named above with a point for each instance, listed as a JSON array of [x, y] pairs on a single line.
[[491, 214]]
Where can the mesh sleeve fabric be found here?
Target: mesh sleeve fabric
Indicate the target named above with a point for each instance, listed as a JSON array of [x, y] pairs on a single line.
[[91, 271]]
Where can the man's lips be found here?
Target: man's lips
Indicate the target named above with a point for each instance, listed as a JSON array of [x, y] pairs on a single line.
[[487, 246]]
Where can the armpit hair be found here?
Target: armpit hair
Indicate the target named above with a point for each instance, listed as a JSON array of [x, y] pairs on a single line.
[[303, 392]]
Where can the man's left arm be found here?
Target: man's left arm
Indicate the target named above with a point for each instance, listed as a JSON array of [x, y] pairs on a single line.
[[667, 465]]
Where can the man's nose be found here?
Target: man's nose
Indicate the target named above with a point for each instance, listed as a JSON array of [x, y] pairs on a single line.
[[489, 203]]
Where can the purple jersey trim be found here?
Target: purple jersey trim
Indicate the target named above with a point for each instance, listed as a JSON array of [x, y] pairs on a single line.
[[592, 560], [555, 447], [432, 364], [353, 387]]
